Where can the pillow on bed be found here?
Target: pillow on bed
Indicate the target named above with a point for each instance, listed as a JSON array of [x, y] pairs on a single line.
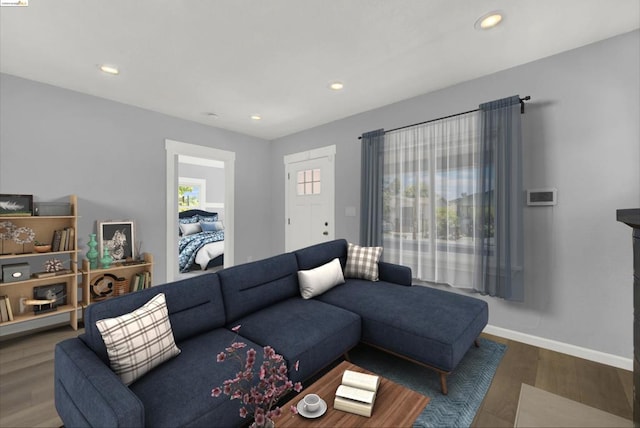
[[190, 228], [209, 218], [314, 282], [187, 220], [212, 226]]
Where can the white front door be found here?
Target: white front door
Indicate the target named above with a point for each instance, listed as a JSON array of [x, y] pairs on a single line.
[[310, 187]]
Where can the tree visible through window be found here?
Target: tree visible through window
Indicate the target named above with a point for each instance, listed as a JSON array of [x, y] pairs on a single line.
[[429, 195], [191, 194]]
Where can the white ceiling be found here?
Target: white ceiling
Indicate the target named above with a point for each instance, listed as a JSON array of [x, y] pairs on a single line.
[[276, 58]]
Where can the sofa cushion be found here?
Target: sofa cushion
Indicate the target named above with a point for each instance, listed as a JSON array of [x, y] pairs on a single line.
[[194, 304], [178, 393], [139, 341], [308, 331], [319, 254], [429, 325], [252, 286], [314, 282], [362, 262]]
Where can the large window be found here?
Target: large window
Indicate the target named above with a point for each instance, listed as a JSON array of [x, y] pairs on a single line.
[[429, 198], [446, 196]]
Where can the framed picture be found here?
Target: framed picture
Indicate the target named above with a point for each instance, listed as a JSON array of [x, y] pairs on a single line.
[[50, 292], [118, 237], [16, 205]]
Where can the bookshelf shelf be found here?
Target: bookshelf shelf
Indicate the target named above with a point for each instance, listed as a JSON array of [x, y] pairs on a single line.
[[19, 318], [49, 254]]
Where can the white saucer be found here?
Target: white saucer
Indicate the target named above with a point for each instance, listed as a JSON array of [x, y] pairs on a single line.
[[310, 415]]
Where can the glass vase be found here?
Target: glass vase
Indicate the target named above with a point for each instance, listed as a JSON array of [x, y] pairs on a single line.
[[268, 423]]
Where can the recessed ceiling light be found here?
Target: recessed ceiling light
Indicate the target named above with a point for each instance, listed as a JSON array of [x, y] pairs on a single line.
[[256, 117], [336, 86], [109, 69], [488, 20]]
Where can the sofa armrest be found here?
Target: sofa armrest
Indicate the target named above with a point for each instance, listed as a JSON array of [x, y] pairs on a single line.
[[391, 272], [89, 393]]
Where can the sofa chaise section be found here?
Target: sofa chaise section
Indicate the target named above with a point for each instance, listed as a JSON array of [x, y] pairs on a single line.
[[432, 327]]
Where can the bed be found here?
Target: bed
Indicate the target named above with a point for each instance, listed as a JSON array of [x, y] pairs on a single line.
[[201, 240]]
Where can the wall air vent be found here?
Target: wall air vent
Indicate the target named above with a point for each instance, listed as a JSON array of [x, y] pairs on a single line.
[[542, 197]]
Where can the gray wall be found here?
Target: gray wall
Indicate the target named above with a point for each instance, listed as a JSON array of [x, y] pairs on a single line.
[[55, 142], [581, 135]]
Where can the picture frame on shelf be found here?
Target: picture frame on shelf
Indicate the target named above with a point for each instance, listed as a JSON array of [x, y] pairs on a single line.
[[118, 237], [50, 292], [16, 205]]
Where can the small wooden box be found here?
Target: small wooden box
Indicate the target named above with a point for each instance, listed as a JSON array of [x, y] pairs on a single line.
[[15, 272]]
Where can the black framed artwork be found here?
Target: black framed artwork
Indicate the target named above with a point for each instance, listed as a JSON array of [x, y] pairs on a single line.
[[118, 237], [16, 205]]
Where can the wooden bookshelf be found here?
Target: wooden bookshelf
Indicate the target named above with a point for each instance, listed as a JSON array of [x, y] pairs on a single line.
[[12, 253]]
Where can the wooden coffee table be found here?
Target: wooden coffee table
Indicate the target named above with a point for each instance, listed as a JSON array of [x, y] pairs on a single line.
[[395, 405]]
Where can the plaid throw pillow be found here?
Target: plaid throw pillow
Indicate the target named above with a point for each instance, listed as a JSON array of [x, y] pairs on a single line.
[[139, 341], [362, 262]]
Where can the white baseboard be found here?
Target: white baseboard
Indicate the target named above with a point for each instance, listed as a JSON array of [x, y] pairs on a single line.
[[565, 348]]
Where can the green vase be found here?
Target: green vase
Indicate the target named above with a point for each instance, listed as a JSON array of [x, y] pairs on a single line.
[[92, 254], [106, 259]]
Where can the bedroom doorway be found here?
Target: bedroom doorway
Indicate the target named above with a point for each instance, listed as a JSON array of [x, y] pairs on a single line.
[[190, 165]]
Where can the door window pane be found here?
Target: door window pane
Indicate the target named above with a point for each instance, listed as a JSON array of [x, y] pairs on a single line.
[[308, 182]]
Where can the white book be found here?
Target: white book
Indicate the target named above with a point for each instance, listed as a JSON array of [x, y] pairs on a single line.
[[361, 380], [356, 394], [352, 406]]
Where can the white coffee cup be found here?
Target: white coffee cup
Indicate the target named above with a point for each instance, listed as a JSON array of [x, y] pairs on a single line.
[[311, 403]]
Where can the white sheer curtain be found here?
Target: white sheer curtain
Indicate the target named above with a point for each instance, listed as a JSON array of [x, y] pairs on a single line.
[[429, 189]]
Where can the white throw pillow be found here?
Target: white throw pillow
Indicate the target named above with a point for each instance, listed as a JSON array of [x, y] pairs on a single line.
[[139, 341], [314, 282], [190, 228], [362, 262]]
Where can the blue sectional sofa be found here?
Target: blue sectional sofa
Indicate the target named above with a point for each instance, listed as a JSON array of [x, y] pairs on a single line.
[[429, 326]]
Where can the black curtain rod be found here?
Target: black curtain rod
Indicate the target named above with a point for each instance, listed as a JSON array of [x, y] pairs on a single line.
[[522, 100]]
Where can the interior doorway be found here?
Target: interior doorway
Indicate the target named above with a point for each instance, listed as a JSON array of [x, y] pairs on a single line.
[[177, 152]]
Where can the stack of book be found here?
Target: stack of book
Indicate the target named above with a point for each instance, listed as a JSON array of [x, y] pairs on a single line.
[[63, 239], [357, 393], [6, 314], [140, 281]]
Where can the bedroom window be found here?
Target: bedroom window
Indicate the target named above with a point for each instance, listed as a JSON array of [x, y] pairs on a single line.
[[309, 182], [191, 193]]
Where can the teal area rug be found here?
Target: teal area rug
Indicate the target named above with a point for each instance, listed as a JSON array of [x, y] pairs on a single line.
[[468, 384]]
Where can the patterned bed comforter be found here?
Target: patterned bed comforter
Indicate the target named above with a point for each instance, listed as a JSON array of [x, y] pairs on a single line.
[[190, 244]]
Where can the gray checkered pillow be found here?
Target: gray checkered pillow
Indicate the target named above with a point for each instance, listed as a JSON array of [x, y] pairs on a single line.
[[139, 341], [362, 262]]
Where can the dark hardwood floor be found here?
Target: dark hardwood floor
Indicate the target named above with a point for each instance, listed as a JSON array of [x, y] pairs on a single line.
[[26, 381]]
